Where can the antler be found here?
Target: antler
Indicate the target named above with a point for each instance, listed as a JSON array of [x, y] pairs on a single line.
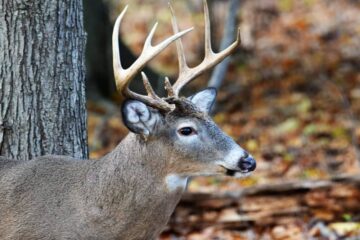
[[187, 74], [123, 76]]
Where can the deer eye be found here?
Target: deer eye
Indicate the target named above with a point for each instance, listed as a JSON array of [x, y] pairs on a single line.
[[187, 131]]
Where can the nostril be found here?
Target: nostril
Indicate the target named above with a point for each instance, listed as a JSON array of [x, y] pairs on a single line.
[[247, 163]]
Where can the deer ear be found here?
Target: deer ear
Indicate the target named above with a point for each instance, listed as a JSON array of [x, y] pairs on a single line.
[[138, 117], [204, 99]]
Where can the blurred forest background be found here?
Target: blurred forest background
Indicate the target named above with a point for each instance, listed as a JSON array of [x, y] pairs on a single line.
[[291, 97]]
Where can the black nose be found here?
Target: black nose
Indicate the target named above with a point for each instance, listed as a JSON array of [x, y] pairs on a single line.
[[247, 163]]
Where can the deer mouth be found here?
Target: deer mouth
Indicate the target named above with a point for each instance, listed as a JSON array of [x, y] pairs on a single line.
[[237, 173], [236, 166]]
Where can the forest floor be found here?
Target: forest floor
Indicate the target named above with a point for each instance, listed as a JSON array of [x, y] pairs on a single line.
[[291, 98]]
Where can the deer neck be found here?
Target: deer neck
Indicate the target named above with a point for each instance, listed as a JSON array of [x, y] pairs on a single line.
[[137, 161], [134, 177]]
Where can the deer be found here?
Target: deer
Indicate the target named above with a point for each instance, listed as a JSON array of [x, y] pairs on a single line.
[[131, 192]]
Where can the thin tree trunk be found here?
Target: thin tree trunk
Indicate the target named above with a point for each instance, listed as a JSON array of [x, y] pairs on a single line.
[[230, 30], [42, 92], [99, 76]]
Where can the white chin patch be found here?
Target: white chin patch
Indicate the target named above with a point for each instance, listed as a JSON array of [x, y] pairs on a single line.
[[175, 182], [241, 175]]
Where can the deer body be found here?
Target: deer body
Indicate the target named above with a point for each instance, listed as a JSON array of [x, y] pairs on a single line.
[[112, 198], [131, 192]]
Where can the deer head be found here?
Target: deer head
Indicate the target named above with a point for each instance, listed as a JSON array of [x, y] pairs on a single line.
[[179, 128]]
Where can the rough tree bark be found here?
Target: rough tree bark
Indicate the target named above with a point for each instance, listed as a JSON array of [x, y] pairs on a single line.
[[42, 92]]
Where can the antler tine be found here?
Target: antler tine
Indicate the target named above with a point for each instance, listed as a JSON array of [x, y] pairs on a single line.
[[150, 91], [179, 47], [186, 75], [208, 47], [169, 88], [116, 52], [123, 76]]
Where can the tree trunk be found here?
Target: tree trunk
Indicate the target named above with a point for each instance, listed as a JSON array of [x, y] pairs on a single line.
[[99, 73], [42, 92]]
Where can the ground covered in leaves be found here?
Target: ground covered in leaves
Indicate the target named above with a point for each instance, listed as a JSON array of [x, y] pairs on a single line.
[[292, 99]]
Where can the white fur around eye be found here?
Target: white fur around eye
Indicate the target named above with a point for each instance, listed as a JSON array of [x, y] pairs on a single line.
[[186, 124], [189, 138]]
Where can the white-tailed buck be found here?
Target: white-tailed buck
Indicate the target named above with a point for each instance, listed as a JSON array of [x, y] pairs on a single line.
[[131, 192]]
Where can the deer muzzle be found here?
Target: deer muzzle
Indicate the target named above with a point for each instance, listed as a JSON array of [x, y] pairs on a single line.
[[247, 163], [238, 163]]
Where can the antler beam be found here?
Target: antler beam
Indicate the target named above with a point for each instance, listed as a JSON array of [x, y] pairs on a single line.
[[187, 74], [123, 76]]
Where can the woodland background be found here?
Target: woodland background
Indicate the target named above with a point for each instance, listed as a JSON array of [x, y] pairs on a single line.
[[291, 97]]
